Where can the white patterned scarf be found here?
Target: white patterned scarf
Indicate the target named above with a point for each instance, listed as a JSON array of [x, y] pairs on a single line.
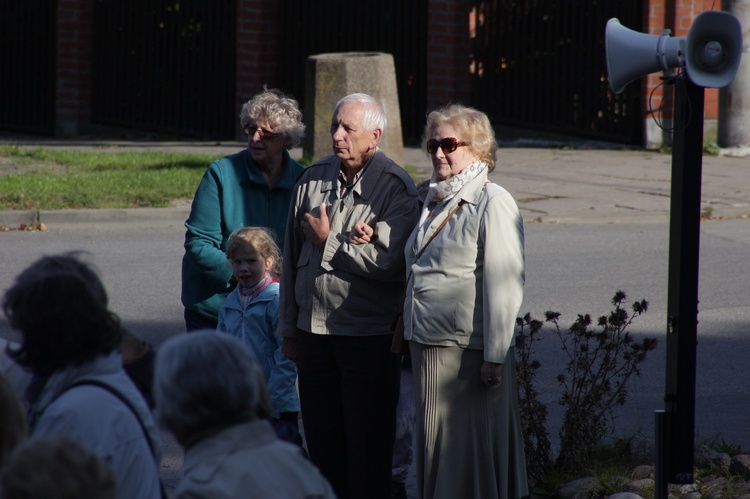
[[442, 191]]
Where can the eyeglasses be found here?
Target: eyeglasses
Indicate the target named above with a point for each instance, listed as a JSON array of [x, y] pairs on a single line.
[[250, 130], [448, 145]]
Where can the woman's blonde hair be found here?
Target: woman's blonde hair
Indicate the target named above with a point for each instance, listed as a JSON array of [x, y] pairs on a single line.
[[473, 125], [261, 239], [280, 111]]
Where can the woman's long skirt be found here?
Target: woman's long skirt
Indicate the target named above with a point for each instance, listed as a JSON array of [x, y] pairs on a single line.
[[469, 441]]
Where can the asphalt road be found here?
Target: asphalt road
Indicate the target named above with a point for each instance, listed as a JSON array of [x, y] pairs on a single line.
[[597, 221], [572, 268]]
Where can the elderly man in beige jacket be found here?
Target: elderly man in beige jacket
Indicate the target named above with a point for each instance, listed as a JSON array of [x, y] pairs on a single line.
[[342, 287]]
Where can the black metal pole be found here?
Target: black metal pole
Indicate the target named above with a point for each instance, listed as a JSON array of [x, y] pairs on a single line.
[[682, 303], [661, 483]]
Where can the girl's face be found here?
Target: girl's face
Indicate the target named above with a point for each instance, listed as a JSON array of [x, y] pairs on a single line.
[[248, 266]]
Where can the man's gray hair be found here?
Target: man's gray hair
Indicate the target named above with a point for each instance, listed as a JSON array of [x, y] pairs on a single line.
[[374, 115], [205, 380]]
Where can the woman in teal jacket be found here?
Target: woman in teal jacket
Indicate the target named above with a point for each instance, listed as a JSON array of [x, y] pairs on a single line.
[[250, 188]]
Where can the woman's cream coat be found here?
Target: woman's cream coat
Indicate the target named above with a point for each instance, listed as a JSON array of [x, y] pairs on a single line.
[[466, 287]]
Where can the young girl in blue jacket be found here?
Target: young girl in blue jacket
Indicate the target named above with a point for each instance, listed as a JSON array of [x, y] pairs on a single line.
[[251, 313]]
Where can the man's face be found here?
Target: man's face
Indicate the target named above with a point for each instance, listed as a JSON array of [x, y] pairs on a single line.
[[352, 144]]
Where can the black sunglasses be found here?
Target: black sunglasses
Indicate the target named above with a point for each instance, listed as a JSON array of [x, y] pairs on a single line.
[[448, 145]]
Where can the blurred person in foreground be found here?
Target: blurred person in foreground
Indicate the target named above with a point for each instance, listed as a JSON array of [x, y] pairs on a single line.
[[137, 354], [79, 390], [465, 276], [56, 469], [13, 427], [16, 376], [250, 188], [341, 295], [211, 395]]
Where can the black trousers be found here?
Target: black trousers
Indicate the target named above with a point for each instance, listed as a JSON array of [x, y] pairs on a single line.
[[349, 391], [196, 322]]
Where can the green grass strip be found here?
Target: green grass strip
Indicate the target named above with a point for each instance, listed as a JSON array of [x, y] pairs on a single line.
[[50, 179]]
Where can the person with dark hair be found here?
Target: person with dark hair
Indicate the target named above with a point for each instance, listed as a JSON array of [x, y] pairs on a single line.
[[250, 188], [137, 354], [56, 469], [211, 395], [79, 389]]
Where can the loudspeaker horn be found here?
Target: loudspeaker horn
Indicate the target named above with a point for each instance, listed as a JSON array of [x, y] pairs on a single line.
[[710, 53], [631, 54], [714, 49]]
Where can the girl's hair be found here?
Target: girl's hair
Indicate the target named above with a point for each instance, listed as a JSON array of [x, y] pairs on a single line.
[[262, 239], [280, 111], [473, 125]]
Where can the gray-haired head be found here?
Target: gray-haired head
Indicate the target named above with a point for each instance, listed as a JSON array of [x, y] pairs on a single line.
[[277, 110], [373, 117], [205, 381]]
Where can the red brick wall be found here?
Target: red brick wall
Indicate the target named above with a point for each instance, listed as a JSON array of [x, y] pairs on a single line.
[[258, 34], [74, 53], [676, 15], [258, 37], [448, 53]]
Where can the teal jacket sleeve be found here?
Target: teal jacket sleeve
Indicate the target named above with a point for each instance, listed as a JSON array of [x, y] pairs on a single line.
[[204, 237]]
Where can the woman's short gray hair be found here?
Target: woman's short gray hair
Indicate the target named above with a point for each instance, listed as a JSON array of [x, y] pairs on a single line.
[[281, 112], [374, 115], [204, 381]]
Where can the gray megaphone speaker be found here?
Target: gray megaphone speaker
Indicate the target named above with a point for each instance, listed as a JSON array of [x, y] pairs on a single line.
[[714, 49], [710, 53]]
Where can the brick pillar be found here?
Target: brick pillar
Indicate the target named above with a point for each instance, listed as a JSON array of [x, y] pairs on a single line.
[[258, 33], [74, 52], [448, 53], [677, 16]]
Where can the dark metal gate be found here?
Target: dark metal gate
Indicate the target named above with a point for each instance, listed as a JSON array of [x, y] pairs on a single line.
[[27, 65], [541, 65], [397, 27], [165, 66]]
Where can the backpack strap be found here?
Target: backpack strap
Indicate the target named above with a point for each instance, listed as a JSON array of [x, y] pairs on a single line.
[[119, 395], [440, 227]]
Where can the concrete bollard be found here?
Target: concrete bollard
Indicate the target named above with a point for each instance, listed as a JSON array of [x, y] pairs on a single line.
[[329, 77], [734, 99]]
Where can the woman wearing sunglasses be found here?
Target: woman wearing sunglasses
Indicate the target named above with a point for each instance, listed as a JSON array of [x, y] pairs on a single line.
[[465, 275]]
